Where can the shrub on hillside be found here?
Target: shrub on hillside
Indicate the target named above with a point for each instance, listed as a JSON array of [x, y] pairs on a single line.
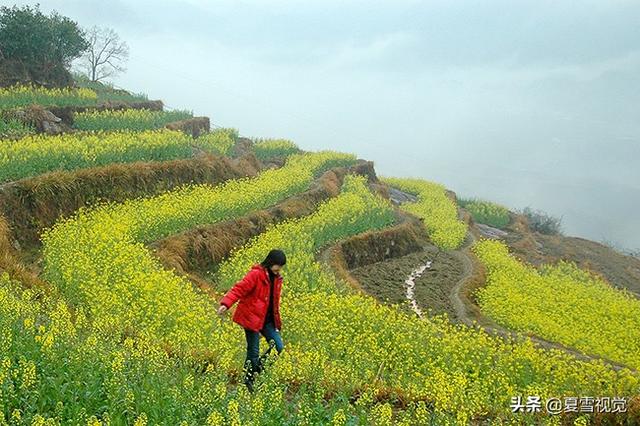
[[542, 222], [620, 249]]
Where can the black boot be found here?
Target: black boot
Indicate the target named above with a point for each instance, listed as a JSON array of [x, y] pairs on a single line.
[[249, 375], [263, 358], [249, 383]]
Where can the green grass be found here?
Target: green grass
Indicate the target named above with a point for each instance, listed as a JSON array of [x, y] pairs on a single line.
[[127, 119], [37, 154], [107, 92], [12, 129], [486, 212], [24, 95], [218, 140], [269, 148]]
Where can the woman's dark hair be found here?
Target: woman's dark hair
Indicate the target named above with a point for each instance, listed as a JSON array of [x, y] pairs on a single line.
[[275, 257]]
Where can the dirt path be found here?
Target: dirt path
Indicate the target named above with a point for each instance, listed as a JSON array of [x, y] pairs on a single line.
[[467, 268], [464, 255], [468, 313]]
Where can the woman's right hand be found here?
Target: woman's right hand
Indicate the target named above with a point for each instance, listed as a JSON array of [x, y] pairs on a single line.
[[222, 309]]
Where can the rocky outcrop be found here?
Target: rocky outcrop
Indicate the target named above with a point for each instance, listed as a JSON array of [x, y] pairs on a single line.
[[42, 120], [193, 126]]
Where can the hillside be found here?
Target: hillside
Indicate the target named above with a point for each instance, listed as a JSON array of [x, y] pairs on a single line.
[[123, 224]]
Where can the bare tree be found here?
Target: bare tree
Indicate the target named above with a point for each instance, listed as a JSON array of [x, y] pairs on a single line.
[[106, 54]]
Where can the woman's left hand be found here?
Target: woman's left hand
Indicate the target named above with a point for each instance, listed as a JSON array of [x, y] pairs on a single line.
[[222, 309]]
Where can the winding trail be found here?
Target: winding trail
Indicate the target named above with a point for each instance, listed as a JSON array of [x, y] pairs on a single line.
[[465, 310], [463, 255], [463, 313]]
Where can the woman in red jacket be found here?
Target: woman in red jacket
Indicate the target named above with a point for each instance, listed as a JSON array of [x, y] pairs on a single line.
[[258, 310]]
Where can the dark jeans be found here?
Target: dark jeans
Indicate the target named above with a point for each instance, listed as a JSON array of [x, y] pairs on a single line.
[[254, 361]]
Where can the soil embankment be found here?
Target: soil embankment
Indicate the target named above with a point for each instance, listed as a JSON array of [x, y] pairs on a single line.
[[32, 204], [620, 270], [197, 252]]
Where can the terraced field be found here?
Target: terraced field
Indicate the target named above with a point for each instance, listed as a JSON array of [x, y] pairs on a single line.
[[119, 237]]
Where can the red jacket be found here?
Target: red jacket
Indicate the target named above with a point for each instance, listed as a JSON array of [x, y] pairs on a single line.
[[253, 293]]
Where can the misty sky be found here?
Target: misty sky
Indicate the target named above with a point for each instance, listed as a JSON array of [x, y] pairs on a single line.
[[520, 102]]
